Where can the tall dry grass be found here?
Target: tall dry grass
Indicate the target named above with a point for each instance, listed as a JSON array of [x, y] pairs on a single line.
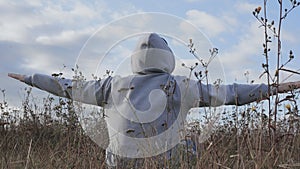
[[38, 139], [45, 137]]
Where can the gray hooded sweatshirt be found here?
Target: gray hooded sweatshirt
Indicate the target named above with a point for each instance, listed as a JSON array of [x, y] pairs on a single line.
[[148, 108]]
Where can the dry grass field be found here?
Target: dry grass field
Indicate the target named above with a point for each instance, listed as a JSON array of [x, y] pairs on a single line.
[[50, 136]]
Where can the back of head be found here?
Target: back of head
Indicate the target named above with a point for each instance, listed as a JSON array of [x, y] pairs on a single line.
[[152, 55]]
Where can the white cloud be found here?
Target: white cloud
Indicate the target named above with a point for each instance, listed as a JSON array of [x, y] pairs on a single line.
[[25, 21], [245, 55], [245, 7], [289, 36], [210, 24], [53, 32], [230, 22], [65, 37], [15, 22], [42, 62], [69, 13]]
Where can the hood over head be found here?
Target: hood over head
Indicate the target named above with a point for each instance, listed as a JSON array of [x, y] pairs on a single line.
[[152, 55]]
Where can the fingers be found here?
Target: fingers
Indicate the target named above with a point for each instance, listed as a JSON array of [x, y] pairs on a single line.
[[285, 87], [13, 75], [295, 85], [17, 76]]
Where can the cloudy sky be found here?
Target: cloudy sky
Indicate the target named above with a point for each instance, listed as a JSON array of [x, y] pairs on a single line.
[[42, 36]]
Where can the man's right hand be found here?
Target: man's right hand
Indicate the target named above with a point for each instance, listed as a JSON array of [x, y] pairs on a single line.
[[17, 76], [288, 86]]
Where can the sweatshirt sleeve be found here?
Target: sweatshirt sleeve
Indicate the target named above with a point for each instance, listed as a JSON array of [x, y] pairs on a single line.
[[235, 94], [94, 92]]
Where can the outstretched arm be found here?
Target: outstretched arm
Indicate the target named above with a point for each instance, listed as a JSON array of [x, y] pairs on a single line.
[[94, 92], [240, 94]]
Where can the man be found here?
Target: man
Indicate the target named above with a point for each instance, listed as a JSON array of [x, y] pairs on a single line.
[[146, 111]]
